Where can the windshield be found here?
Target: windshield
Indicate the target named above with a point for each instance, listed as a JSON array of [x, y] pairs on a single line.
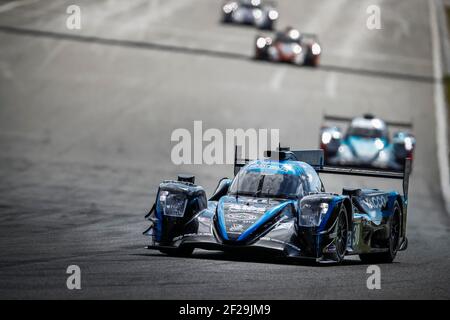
[[265, 185], [365, 132]]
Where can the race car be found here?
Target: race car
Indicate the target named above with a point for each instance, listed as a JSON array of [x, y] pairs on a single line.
[[278, 206], [367, 143], [253, 12], [289, 46]]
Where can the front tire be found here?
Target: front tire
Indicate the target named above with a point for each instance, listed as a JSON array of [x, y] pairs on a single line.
[[341, 230], [392, 242]]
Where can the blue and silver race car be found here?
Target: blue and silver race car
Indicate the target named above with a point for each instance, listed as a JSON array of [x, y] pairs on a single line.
[[366, 143], [251, 12], [278, 205]]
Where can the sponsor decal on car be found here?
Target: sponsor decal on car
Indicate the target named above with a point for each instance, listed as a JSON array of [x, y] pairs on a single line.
[[375, 202], [236, 228], [242, 216]]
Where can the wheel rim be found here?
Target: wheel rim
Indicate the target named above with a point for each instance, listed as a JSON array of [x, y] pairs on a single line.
[[341, 235]]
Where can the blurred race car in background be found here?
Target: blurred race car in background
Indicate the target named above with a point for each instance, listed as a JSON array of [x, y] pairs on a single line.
[[278, 206], [366, 143], [251, 12], [289, 46]]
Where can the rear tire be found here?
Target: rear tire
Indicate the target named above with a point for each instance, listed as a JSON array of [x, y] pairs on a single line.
[[392, 242], [257, 55], [226, 18], [177, 252], [260, 54]]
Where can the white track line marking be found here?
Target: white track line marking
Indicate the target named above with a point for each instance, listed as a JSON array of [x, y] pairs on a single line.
[[14, 4], [440, 108]]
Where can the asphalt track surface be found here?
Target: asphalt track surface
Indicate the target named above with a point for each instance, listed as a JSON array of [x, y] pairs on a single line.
[[85, 124]]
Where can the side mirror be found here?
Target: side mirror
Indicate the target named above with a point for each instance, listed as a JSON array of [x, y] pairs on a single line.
[[221, 189]]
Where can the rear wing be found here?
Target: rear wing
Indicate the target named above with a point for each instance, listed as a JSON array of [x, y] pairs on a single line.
[[311, 36], [315, 158], [400, 175], [400, 124], [309, 156]]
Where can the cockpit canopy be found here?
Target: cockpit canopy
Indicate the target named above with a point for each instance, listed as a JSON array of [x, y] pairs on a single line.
[[368, 127], [289, 35], [250, 4], [272, 179]]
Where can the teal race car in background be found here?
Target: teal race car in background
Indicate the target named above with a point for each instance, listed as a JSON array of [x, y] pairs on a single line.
[[366, 143], [278, 205]]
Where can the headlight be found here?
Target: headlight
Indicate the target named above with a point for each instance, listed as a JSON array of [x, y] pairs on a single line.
[[273, 15], [173, 204], [316, 49], [326, 137], [409, 144], [229, 7], [312, 212], [257, 14], [294, 34], [297, 49], [379, 144], [260, 43]]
